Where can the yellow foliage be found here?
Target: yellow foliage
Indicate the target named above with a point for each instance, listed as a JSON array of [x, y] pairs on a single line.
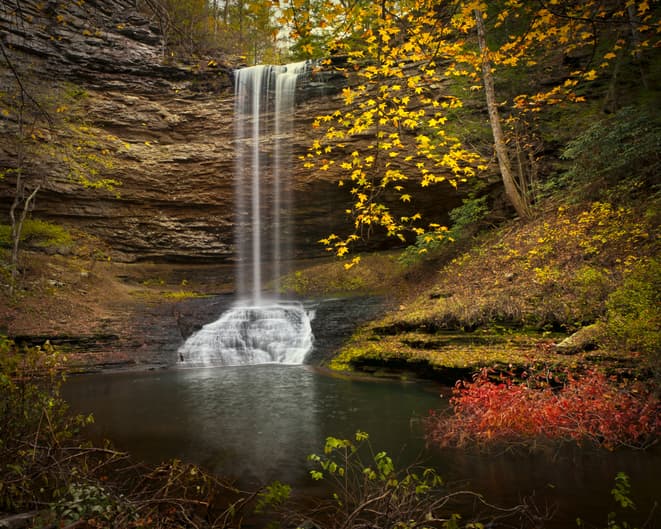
[[394, 71]]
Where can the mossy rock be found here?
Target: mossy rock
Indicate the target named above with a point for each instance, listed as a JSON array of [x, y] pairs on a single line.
[[585, 339]]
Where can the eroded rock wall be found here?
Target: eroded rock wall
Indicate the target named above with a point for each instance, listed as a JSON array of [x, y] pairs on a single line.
[[172, 124]]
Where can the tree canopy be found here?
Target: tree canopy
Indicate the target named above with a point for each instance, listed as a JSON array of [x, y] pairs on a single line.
[[201, 27], [413, 64]]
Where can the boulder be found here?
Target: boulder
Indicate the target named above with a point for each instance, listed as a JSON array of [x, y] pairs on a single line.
[[585, 339]]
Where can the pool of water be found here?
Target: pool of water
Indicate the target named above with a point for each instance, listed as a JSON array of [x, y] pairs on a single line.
[[255, 423], [259, 423]]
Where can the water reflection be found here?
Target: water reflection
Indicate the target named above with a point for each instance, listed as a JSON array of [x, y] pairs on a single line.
[[257, 423]]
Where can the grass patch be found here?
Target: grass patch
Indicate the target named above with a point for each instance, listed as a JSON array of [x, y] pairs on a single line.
[[37, 232], [376, 274], [182, 294]]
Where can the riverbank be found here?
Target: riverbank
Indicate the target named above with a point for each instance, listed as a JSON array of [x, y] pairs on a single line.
[[107, 315]]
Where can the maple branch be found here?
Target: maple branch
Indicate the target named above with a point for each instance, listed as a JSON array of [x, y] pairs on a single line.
[[565, 15]]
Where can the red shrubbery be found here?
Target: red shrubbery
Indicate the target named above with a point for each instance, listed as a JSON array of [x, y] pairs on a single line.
[[588, 408]]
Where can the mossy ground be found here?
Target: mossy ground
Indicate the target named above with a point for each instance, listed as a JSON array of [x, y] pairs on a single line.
[[507, 300]]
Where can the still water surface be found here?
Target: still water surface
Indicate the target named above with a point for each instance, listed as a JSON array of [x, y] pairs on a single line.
[[259, 423]]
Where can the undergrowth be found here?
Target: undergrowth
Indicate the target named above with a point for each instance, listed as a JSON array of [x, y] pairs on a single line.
[[366, 489], [47, 467], [633, 311], [552, 273], [466, 220], [589, 408], [37, 232]]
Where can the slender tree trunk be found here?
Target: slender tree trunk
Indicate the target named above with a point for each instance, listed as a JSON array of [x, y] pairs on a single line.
[[516, 196], [215, 21], [21, 204], [610, 101], [17, 226], [20, 207]]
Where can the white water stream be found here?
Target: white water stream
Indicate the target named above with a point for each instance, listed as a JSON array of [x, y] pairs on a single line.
[[259, 329]]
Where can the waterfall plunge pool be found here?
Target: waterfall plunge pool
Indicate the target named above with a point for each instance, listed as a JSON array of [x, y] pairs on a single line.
[[259, 423]]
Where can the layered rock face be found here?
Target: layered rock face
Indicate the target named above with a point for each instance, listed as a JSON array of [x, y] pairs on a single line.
[[166, 131], [173, 124]]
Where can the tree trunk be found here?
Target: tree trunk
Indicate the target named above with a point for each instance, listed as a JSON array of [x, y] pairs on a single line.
[[16, 223], [17, 227], [516, 196]]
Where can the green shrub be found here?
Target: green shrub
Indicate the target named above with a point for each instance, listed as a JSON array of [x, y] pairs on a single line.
[[273, 495], [621, 493], [33, 420], [617, 158], [44, 462], [589, 287], [82, 501], [633, 318], [368, 490], [465, 222], [37, 232]]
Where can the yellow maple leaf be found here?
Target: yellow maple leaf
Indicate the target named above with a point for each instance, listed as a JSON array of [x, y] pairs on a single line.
[[590, 76]]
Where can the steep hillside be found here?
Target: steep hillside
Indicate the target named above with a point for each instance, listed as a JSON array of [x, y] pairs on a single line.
[[511, 299]]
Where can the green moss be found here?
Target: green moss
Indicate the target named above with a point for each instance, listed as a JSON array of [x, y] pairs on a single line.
[[439, 351], [182, 294], [38, 232], [154, 281]]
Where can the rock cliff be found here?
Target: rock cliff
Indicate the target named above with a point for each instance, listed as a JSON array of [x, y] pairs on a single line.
[[166, 129], [174, 122]]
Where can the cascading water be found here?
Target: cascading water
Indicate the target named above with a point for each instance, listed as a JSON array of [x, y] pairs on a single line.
[[259, 328]]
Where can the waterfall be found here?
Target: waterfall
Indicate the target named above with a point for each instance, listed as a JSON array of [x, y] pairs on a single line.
[[259, 328], [264, 108]]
